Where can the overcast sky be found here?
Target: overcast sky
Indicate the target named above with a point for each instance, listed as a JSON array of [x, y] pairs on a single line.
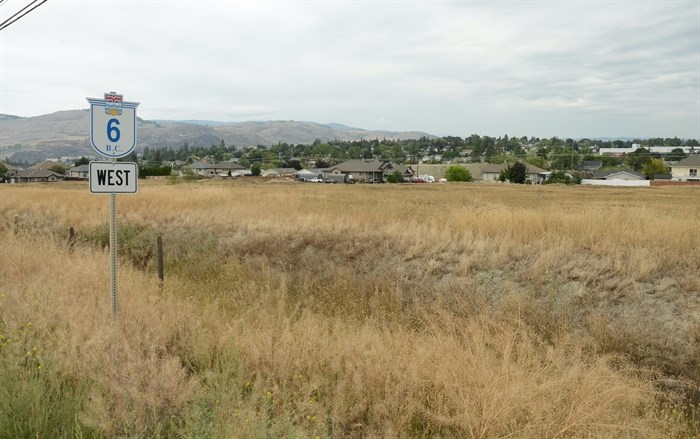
[[534, 68]]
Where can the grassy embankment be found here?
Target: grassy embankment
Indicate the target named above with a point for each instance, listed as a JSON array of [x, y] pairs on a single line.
[[352, 311]]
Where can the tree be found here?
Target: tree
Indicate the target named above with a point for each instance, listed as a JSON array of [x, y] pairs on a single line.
[[536, 160], [59, 169], [3, 171], [676, 155], [457, 173], [638, 158], [322, 164], [397, 153], [515, 173], [293, 163], [490, 149], [518, 173], [653, 167], [256, 169], [82, 161]]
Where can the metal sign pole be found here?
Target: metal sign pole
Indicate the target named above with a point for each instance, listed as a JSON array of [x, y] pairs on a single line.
[[113, 248], [113, 135]]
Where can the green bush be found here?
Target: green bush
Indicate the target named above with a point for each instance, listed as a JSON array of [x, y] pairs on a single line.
[[396, 177], [458, 173]]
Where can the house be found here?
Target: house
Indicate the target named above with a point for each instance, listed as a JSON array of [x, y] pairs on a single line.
[[687, 169], [79, 172], [32, 176], [491, 172], [406, 171], [618, 174], [215, 169], [367, 171]]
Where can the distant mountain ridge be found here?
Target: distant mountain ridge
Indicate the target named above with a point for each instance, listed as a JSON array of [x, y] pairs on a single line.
[[65, 134]]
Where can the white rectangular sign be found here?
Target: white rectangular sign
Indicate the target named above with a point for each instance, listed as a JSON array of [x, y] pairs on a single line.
[[113, 177]]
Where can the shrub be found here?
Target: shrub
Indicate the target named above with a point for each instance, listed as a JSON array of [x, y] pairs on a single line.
[[395, 177], [458, 173], [559, 177]]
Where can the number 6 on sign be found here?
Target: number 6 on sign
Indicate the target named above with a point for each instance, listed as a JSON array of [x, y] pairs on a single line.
[[113, 133], [113, 125]]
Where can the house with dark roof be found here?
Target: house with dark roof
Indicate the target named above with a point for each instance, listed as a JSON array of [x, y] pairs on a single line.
[[406, 171], [491, 172], [618, 174], [368, 171], [687, 169], [32, 176], [79, 172]]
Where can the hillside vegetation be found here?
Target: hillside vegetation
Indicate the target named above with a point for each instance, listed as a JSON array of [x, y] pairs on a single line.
[[291, 310], [66, 134]]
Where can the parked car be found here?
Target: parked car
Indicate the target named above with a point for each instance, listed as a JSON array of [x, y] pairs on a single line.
[[315, 180]]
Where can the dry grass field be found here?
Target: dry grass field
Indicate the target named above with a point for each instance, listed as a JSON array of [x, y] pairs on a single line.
[[302, 311]]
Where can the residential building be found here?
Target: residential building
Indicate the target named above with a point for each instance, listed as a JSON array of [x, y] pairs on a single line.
[[79, 172], [491, 172], [32, 176], [687, 169], [618, 174], [369, 171]]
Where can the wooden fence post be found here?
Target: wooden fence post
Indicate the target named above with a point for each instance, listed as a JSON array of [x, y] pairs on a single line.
[[71, 239], [159, 253]]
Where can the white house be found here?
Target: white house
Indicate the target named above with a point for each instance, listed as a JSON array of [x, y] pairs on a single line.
[[687, 169], [82, 171]]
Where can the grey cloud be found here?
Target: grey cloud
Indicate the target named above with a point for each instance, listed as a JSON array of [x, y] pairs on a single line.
[[447, 68]]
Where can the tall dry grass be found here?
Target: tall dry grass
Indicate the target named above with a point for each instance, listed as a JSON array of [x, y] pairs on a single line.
[[337, 311]]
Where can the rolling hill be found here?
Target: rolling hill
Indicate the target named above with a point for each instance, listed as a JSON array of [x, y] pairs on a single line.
[[65, 134]]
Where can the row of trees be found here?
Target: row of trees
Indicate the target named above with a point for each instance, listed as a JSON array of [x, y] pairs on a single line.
[[548, 153]]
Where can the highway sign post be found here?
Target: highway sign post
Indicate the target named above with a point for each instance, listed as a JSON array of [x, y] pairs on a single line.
[[113, 135]]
